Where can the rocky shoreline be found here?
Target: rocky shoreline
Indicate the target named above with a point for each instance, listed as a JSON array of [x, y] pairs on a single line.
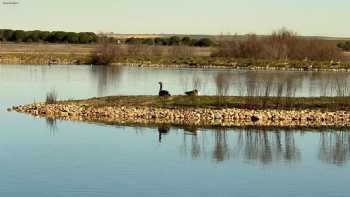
[[309, 68], [201, 117]]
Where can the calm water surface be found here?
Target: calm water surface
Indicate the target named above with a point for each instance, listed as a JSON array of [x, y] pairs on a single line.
[[45, 158]]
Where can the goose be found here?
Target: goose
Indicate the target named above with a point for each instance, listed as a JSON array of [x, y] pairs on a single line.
[[192, 93], [162, 92], [162, 130]]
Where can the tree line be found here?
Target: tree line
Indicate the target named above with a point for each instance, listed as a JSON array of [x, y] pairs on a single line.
[[345, 46], [171, 41], [8, 35]]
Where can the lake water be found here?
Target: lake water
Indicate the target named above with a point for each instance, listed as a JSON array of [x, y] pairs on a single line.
[[46, 158]]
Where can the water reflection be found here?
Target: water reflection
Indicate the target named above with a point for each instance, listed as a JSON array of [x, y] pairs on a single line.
[[254, 83], [106, 77], [267, 147], [118, 80], [334, 147], [262, 83], [264, 147], [163, 130], [52, 125]]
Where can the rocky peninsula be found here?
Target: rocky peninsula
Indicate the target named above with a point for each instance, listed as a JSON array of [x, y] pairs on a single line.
[[187, 111]]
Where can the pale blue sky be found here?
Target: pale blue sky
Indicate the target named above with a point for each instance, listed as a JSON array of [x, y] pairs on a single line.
[[308, 17]]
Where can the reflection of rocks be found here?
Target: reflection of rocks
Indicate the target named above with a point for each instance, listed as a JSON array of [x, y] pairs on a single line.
[[230, 117]]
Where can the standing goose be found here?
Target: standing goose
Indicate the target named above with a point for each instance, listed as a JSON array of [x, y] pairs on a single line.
[[162, 92]]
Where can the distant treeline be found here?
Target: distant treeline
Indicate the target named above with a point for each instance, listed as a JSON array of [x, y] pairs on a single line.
[[8, 35], [171, 41], [345, 46]]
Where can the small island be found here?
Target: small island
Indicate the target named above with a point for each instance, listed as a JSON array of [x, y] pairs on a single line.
[[201, 111]]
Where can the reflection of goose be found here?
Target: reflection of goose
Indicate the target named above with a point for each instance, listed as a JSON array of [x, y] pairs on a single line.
[[163, 92], [191, 130], [192, 93], [163, 130]]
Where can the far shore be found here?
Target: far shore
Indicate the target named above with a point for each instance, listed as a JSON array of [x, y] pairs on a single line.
[[201, 111], [70, 54], [204, 62]]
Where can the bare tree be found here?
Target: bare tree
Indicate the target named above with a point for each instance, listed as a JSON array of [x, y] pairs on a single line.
[[106, 51]]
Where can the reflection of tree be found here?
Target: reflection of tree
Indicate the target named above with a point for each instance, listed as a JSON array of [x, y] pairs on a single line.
[[267, 147], [221, 149], [272, 84], [106, 77], [291, 152], [331, 84], [256, 146], [196, 148], [52, 124], [193, 143], [335, 147], [252, 145]]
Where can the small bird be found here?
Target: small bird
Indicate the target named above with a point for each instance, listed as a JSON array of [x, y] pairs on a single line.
[[192, 93], [162, 92]]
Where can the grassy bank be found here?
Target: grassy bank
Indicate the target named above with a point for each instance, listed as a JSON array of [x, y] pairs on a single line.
[[326, 103]]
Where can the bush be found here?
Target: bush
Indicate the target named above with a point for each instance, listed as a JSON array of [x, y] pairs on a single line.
[[18, 36], [280, 45], [51, 97], [6, 34], [148, 41], [345, 46], [186, 41], [105, 52], [32, 36], [160, 41], [174, 40], [204, 42], [87, 37]]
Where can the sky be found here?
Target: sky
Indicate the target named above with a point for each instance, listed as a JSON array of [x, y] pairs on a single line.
[[307, 17]]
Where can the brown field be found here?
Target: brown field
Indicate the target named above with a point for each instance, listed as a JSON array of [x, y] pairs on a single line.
[[347, 55], [72, 49], [40, 48]]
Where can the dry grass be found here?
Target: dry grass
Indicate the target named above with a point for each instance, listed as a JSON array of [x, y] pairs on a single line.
[[325, 103], [346, 56], [40, 48], [49, 48]]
